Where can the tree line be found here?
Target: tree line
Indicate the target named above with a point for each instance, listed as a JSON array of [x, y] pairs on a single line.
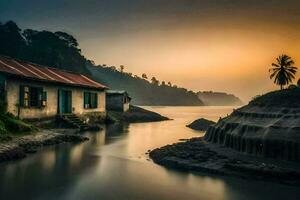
[[61, 50]]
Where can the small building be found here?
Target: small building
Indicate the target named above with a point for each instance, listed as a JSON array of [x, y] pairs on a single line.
[[32, 91], [117, 100]]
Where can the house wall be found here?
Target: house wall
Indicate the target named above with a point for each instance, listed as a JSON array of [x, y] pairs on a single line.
[[78, 98], [50, 110], [126, 107], [115, 102]]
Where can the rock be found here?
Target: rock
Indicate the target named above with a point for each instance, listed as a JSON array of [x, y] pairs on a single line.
[[135, 115], [201, 124], [12, 153], [20, 146], [267, 127], [198, 155]]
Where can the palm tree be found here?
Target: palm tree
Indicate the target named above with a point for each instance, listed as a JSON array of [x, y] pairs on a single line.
[[283, 71], [122, 67]]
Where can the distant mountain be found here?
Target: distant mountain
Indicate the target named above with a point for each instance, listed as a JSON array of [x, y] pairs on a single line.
[[218, 99], [142, 91], [61, 50]]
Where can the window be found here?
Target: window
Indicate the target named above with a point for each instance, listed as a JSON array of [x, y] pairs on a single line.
[[32, 97], [90, 100]]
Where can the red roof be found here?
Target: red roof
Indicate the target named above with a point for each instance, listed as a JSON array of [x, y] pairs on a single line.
[[42, 73]]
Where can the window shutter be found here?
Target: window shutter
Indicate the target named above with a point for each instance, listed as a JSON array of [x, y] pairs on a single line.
[[86, 100], [21, 100], [96, 100], [40, 95]]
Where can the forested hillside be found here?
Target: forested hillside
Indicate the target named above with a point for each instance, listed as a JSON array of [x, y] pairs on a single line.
[[55, 49], [211, 98], [61, 50], [142, 91]]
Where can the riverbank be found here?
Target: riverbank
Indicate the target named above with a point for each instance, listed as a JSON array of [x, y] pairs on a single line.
[[20, 146], [20, 138], [199, 156]]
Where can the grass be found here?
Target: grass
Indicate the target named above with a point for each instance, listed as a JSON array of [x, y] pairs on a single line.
[[11, 126], [281, 98]]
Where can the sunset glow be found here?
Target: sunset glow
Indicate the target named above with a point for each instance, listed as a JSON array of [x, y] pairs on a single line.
[[201, 45]]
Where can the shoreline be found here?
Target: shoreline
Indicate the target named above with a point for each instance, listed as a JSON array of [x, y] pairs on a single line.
[[20, 147], [15, 147], [196, 155]]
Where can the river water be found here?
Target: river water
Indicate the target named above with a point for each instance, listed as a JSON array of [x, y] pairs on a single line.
[[113, 166]]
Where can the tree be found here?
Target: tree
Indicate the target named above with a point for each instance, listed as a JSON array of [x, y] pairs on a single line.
[[113, 68], [69, 39], [154, 81], [144, 76], [283, 71], [122, 67], [169, 84], [298, 83], [163, 83], [11, 41]]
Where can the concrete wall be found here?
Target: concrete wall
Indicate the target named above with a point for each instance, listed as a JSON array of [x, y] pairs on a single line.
[[50, 110]]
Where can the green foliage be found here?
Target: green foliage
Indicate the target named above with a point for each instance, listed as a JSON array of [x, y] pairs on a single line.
[[2, 128], [282, 98], [55, 49], [2, 107], [11, 124], [283, 71]]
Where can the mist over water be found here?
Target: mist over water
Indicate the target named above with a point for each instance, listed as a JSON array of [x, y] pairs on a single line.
[[113, 165]]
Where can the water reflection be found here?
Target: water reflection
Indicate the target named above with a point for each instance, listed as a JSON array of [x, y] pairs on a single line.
[[113, 165]]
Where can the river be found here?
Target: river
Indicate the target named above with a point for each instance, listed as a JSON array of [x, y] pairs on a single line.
[[113, 166]]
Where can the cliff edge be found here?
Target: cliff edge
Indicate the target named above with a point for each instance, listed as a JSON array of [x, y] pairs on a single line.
[[269, 126]]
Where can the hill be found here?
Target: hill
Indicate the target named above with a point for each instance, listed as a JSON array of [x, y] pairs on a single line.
[[268, 126], [61, 50], [219, 99], [142, 91]]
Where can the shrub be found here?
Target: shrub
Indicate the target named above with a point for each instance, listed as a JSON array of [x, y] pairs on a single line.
[[2, 128], [14, 125], [292, 86], [2, 107]]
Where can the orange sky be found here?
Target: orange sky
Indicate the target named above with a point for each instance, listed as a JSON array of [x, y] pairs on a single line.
[[219, 45], [215, 57]]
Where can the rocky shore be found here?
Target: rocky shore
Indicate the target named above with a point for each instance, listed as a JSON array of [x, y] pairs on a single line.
[[201, 124], [200, 156], [135, 114], [19, 147], [269, 126]]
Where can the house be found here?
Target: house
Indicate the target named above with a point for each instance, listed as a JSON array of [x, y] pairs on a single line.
[[117, 100], [32, 91]]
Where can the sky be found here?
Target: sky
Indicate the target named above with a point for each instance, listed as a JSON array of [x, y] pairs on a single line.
[[218, 45]]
